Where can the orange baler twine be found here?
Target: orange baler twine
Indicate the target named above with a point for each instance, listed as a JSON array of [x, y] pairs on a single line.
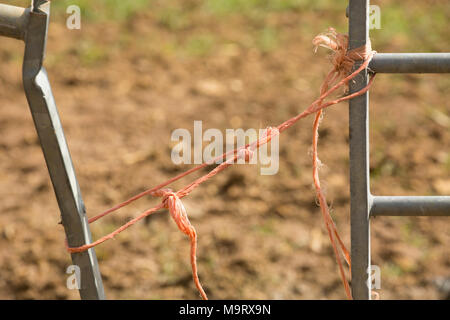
[[343, 61]]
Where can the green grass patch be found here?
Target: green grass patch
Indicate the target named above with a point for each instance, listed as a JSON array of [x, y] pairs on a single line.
[[173, 18], [247, 6], [267, 227], [102, 10], [267, 39], [200, 45], [91, 54], [391, 270], [415, 27]]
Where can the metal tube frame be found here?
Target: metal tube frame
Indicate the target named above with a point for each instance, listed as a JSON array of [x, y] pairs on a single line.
[[410, 63], [363, 204], [31, 25], [13, 21]]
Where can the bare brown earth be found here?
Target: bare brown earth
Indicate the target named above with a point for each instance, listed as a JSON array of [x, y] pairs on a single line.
[[260, 237]]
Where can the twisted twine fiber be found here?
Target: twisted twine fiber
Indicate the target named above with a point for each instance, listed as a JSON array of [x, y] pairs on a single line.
[[343, 61]]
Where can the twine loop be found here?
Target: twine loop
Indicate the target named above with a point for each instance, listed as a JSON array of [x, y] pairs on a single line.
[[342, 59]]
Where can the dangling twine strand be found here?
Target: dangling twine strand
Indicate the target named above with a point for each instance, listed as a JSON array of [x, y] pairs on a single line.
[[179, 215], [343, 61]]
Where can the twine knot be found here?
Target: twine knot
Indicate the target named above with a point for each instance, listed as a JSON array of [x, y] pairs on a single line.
[[341, 58], [248, 152], [172, 202], [177, 211]]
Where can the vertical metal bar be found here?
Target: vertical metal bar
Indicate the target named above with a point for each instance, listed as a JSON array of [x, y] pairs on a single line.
[[359, 158], [56, 152]]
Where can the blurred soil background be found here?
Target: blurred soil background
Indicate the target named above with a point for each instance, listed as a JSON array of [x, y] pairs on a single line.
[[139, 69]]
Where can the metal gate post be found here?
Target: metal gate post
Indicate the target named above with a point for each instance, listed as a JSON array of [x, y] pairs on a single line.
[[31, 26], [359, 158], [363, 204]]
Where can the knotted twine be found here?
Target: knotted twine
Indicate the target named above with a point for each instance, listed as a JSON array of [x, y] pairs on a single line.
[[343, 61]]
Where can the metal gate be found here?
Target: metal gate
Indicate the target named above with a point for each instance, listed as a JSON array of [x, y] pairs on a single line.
[[30, 25], [363, 204]]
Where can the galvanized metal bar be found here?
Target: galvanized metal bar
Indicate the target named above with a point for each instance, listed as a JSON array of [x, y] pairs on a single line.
[[13, 21], [410, 206], [56, 152], [410, 63], [359, 158], [36, 4]]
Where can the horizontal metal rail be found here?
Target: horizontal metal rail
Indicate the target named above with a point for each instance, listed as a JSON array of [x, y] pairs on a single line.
[[410, 63], [410, 206], [13, 21]]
